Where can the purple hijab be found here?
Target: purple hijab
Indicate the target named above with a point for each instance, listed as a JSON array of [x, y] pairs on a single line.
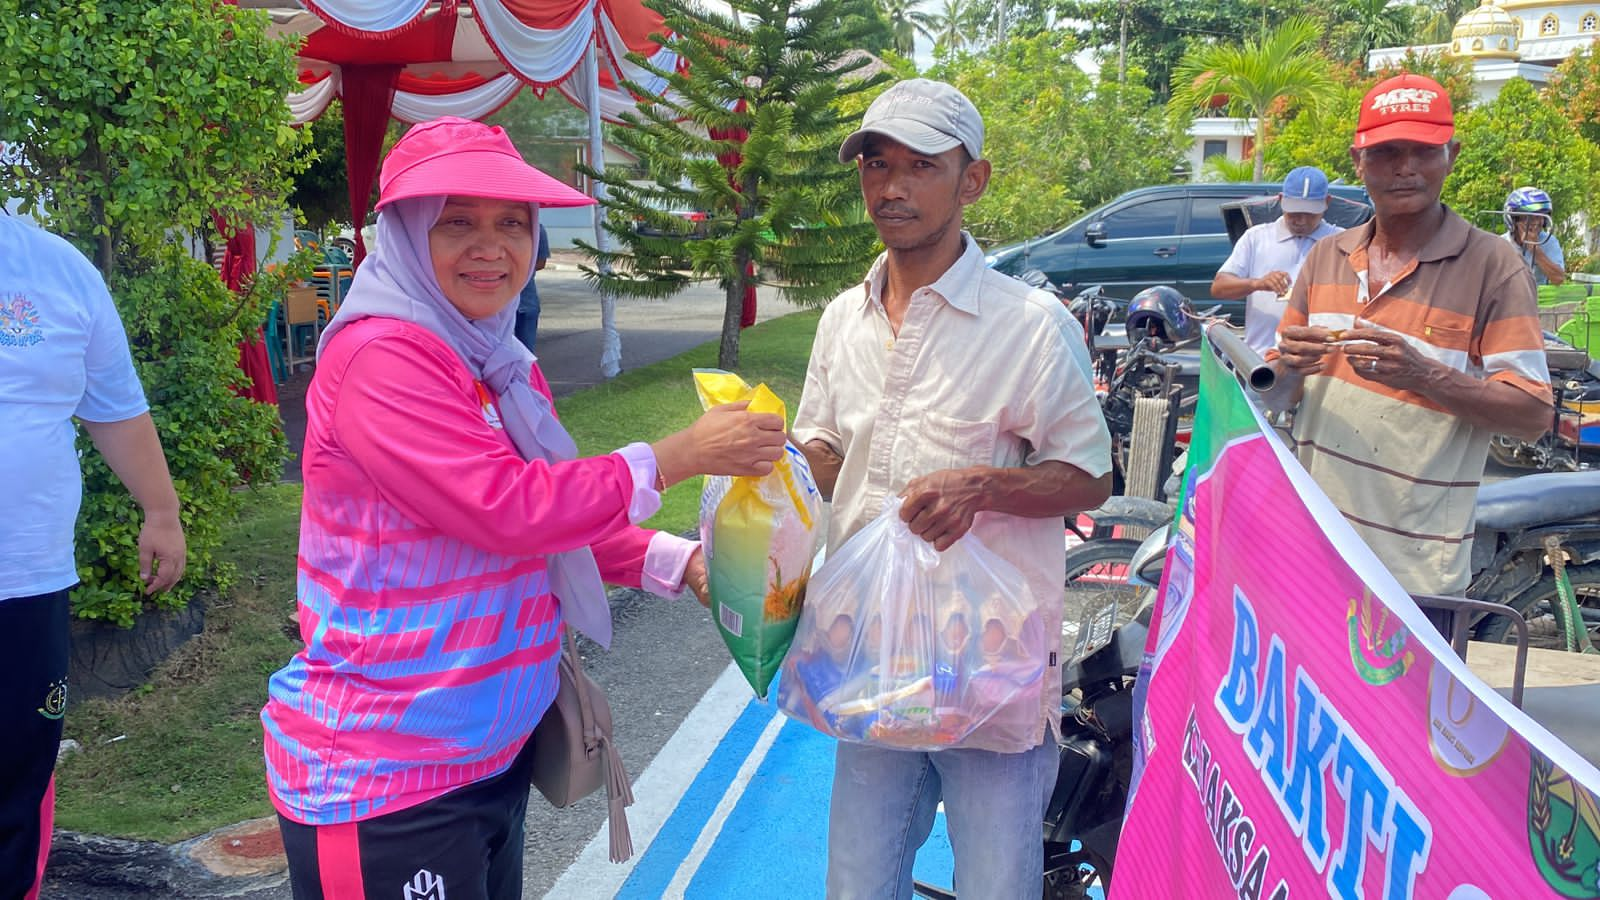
[[396, 281]]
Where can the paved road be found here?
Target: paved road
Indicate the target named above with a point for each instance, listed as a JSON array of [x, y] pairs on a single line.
[[651, 330]]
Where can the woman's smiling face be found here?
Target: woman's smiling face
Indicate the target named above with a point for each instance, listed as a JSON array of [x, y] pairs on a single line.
[[482, 251]]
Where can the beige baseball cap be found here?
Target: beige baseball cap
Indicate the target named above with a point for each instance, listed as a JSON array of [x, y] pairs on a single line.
[[927, 116]]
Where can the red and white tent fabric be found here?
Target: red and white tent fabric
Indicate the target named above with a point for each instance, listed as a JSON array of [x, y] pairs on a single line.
[[469, 57], [417, 60]]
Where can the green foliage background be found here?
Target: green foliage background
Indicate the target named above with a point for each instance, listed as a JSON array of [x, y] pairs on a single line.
[[1521, 139], [1061, 142], [1321, 136], [138, 119], [773, 70]]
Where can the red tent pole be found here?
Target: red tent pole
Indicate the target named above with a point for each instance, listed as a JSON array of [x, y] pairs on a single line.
[[368, 92]]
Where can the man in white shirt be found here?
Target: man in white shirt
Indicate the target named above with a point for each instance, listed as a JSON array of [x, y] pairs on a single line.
[[63, 356], [1268, 257], [968, 395]]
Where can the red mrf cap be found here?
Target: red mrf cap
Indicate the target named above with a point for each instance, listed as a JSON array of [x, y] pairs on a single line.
[[1406, 108]]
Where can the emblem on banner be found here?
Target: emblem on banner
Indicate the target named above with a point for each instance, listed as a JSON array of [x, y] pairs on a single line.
[[1378, 659], [1465, 736], [1563, 830]]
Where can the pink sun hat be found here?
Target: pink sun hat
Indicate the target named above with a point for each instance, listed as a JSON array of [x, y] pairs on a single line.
[[456, 156]]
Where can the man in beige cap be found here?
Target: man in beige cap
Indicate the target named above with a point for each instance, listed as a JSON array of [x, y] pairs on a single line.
[[967, 395]]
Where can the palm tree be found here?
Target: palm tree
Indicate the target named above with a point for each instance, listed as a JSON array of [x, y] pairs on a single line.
[[1437, 18], [1221, 168], [1280, 66], [905, 22], [948, 27], [1378, 24]]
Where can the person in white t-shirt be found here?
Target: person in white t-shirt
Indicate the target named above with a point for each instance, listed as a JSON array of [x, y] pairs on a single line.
[[1267, 258], [63, 356]]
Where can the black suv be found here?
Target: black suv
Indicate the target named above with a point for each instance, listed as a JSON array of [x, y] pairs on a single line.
[[1174, 234]]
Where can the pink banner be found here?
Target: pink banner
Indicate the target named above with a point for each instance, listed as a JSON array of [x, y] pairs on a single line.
[[1303, 736]]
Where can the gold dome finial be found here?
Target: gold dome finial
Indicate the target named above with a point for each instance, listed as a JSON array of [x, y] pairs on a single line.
[[1487, 32]]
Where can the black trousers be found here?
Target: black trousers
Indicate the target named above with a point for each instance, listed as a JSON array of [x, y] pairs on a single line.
[[33, 673], [465, 845]]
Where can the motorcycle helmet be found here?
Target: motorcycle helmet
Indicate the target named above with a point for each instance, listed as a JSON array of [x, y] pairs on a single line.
[[1527, 201], [1164, 311], [1092, 307]]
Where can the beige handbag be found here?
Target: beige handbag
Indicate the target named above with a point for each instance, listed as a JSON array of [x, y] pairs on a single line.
[[573, 753]]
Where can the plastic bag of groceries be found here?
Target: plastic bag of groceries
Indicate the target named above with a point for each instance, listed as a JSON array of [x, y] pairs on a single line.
[[903, 646], [759, 535]]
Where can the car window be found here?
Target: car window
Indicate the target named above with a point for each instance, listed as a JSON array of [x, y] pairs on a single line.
[[1205, 216], [1156, 218]]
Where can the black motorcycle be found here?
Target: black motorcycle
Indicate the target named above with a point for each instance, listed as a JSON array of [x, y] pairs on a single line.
[[1571, 443], [1532, 531]]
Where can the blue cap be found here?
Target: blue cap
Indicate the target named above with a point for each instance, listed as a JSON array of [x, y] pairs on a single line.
[[1305, 190]]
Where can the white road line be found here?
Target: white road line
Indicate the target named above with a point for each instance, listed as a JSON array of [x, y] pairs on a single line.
[[719, 816], [657, 792]]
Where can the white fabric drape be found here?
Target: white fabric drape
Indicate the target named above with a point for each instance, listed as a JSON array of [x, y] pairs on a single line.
[[473, 103], [622, 68], [612, 103], [540, 56], [371, 15], [309, 103]]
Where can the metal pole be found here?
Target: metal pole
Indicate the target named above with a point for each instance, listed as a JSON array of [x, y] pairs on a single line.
[[1122, 44], [610, 340]]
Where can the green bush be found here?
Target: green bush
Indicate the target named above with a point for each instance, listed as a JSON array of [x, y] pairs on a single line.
[[183, 326], [138, 120]]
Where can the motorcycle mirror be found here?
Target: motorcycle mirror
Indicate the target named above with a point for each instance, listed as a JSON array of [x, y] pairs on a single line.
[[1147, 562]]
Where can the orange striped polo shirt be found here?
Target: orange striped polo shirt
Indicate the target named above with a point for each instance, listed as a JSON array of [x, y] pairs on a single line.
[[1403, 470]]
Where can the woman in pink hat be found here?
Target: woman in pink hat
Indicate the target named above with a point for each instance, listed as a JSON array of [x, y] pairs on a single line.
[[449, 534]]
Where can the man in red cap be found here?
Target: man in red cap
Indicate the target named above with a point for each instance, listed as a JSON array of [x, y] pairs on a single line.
[[1417, 337]]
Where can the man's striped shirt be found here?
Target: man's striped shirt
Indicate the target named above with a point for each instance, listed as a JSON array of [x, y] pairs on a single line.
[[1404, 471]]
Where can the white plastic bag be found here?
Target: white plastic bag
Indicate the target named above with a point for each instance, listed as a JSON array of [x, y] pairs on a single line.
[[902, 646]]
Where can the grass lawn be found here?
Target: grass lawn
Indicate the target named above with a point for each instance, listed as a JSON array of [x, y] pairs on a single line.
[[182, 755]]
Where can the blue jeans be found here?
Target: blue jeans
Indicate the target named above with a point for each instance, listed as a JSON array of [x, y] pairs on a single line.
[[883, 809], [527, 325]]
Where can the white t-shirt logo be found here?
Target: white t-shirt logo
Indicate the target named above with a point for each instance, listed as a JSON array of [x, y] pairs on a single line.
[[19, 323], [1404, 100]]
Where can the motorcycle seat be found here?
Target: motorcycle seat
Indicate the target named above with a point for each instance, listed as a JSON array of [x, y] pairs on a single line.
[[1531, 500]]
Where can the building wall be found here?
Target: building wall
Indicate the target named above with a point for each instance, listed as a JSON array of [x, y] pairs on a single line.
[[1234, 135]]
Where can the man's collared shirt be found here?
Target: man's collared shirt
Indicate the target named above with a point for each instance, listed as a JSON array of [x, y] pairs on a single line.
[[1404, 471], [1551, 247], [1269, 247], [985, 371]]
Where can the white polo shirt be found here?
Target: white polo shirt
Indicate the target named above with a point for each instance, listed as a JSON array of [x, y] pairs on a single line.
[[985, 371], [63, 353], [1269, 247]]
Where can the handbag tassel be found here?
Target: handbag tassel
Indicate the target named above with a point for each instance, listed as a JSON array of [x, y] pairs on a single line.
[[619, 796]]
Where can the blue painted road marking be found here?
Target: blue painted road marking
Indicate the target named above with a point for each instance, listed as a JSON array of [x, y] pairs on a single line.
[[735, 805]]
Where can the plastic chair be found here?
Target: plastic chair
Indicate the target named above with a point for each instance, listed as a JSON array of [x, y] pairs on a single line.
[[1583, 330], [303, 325], [274, 336], [1570, 292]]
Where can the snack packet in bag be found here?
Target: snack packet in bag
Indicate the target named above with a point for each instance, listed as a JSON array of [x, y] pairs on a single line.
[[759, 535], [902, 646]]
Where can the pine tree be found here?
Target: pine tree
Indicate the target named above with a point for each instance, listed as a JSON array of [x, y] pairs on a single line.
[[780, 208]]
